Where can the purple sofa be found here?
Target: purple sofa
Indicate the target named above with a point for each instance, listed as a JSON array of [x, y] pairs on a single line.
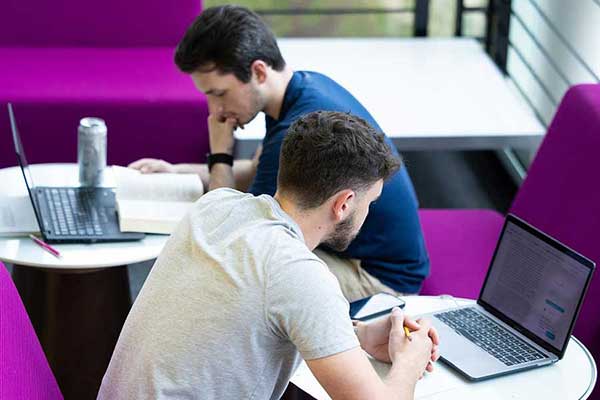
[[60, 61], [461, 244], [560, 196], [24, 370]]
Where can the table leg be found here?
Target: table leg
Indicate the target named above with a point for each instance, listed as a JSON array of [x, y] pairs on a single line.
[[77, 316]]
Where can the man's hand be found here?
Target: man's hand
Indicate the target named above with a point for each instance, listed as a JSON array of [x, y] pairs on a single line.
[[384, 339], [220, 134], [376, 339], [151, 165], [416, 354]]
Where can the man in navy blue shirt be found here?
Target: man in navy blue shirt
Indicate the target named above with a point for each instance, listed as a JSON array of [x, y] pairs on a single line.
[[233, 58]]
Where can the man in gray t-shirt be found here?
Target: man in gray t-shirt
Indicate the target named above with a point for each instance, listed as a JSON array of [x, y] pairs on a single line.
[[237, 296]]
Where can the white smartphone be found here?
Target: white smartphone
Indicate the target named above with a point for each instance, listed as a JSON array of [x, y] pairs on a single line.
[[374, 306]]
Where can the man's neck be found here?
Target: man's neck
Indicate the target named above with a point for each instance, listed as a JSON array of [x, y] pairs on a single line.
[[310, 222], [278, 86]]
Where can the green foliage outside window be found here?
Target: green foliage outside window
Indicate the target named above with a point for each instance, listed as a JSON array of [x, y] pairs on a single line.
[[442, 14]]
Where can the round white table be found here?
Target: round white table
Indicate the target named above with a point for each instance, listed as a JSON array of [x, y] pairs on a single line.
[[22, 250], [77, 303], [573, 377]]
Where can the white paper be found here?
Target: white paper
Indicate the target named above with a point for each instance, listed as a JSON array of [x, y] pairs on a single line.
[[17, 216], [440, 381]]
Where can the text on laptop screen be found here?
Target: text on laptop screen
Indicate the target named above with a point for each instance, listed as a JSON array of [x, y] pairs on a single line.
[[535, 284]]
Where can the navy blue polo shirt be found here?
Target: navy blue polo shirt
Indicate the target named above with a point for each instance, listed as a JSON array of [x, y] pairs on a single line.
[[390, 244]]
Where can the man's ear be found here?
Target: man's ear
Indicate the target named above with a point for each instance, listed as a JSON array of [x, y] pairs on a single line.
[[259, 70], [341, 205]]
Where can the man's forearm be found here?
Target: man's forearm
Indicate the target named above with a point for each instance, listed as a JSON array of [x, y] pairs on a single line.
[[243, 174], [361, 381], [400, 382], [221, 176], [199, 169]]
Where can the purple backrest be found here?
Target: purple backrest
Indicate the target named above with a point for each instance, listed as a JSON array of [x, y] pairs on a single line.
[[561, 194], [24, 370], [95, 23]]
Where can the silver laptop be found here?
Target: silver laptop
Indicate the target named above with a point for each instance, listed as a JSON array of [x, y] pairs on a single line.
[[526, 310]]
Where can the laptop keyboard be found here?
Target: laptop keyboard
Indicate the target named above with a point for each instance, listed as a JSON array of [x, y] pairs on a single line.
[[490, 336], [73, 213]]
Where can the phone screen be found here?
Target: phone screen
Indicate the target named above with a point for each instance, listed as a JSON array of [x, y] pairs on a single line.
[[374, 306]]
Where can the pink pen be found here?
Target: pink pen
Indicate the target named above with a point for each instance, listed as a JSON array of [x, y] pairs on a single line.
[[45, 246]]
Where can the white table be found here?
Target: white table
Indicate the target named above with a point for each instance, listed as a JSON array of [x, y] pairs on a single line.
[[573, 377], [77, 303], [426, 94]]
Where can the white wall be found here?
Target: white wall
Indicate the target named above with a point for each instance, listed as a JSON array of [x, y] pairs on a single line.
[[557, 40]]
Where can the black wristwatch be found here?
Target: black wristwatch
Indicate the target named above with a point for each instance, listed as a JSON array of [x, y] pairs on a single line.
[[216, 158]]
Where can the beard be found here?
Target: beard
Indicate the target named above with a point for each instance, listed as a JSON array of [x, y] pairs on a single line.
[[343, 234], [257, 104]]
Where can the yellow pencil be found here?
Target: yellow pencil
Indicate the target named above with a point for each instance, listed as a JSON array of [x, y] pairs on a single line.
[[407, 332]]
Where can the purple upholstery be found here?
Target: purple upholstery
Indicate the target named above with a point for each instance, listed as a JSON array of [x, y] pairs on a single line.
[[24, 370], [561, 195], [108, 59], [460, 244], [150, 108]]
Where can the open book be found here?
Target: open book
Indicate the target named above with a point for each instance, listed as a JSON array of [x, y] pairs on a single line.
[[154, 203]]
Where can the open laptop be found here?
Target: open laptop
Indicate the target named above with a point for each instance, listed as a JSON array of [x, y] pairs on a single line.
[[526, 309], [71, 214]]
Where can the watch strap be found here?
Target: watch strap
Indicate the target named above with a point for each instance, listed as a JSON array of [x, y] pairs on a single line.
[[217, 158]]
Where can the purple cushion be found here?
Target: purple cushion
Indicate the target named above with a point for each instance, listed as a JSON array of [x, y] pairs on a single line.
[[24, 370], [95, 23], [461, 244], [561, 194], [151, 108], [93, 75]]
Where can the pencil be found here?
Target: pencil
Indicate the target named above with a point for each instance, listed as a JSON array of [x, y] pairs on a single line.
[[45, 246], [407, 332]]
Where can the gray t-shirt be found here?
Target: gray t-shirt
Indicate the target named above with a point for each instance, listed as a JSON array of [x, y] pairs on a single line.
[[231, 303]]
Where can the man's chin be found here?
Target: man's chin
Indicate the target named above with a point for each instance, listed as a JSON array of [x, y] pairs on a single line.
[[242, 124], [337, 246]]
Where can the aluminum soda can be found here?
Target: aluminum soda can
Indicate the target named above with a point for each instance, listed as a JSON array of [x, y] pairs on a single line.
[[91, 150]]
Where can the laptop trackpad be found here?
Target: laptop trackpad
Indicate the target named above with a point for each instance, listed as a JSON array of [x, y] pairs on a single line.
[[456, 350]]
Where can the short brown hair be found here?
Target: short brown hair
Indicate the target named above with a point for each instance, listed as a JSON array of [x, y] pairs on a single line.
[[228, 39], [326, 151]]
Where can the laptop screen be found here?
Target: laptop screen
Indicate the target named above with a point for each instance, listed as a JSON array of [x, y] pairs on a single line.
[[23, 163], [537, 283], [19, 148]]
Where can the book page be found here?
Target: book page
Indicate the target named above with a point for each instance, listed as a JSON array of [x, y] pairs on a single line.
[[17, 216], [133, 185]]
